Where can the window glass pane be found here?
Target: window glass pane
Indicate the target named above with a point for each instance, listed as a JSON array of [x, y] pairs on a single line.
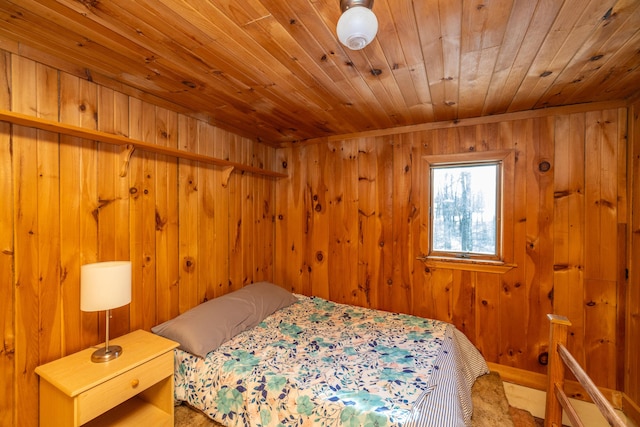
[[464, 208]]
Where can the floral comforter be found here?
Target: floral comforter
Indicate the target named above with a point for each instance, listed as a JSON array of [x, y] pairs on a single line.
[[326, 364]]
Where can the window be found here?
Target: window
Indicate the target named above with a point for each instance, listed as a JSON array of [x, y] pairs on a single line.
[[464, 209], [465, 205]]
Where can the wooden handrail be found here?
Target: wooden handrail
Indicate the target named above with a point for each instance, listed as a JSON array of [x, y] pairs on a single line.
[[76, 131], [568, 407], [592, 390], [556, 373], [556, 399]]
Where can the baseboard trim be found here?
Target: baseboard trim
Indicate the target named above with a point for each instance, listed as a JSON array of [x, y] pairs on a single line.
[[537, 381], [631, 409]]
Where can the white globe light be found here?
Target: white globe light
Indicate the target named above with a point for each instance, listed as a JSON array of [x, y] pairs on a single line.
[[357, 27]]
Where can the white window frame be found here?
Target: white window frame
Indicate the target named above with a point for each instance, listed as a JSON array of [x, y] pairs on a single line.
[[505, 161]]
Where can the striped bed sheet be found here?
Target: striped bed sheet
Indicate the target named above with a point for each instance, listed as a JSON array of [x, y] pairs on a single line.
[[322, 363]]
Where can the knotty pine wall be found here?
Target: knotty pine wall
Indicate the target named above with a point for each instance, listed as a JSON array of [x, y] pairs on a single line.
[[632, 326], [352, 218], [189, 234], [347, 225]]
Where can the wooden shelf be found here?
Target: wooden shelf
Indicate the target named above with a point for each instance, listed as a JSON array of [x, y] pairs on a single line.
[[108, 138], [134, 411]]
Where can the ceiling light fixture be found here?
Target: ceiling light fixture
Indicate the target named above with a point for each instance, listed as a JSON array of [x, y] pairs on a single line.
[[357, 25]]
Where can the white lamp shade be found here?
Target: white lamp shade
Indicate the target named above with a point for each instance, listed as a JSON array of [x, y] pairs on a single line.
[[357, 27], [105, 285]]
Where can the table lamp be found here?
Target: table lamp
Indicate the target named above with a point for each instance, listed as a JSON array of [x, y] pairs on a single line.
[[104, 286]]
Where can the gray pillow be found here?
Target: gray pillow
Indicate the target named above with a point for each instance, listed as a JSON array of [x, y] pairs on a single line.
[[208, 325]]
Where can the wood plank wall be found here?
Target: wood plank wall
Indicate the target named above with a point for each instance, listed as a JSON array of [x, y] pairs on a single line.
[[347, 226], [352, 218], [190, 234], [632, 365]]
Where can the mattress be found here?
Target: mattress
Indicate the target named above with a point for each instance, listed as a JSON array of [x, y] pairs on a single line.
[[321, 363]]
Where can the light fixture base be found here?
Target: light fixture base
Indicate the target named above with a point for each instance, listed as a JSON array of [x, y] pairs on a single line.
[[106, 354], [346, 4]]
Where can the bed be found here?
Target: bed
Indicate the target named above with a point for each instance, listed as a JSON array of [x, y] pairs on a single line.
[[307, 361]]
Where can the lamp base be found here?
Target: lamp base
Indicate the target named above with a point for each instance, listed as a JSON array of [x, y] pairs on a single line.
[[106, 354]]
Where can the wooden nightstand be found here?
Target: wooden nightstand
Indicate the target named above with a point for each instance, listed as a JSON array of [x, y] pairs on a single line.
[[134, 389]]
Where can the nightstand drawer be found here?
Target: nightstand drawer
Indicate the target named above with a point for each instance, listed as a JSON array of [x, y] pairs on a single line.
[[111, 393]]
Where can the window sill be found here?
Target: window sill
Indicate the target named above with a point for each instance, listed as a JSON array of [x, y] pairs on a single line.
[[469, 265]]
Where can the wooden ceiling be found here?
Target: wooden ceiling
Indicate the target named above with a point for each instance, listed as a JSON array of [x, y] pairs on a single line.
[[274, 70]]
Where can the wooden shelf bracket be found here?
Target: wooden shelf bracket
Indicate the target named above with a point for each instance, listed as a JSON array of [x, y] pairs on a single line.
[[226, 174], [126, 156]]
